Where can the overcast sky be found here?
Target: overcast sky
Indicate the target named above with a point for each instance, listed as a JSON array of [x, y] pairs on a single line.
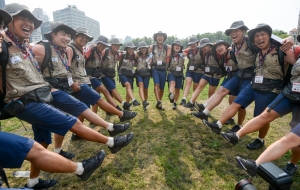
[[138, 18]]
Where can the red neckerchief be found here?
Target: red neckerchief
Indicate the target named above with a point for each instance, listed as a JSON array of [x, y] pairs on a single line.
[[21, 45], [262, 57], [238, 49], [61, 52]]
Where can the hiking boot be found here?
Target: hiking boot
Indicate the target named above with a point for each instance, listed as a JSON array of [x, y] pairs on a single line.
[[234, 129], [248, 165], [126, 105], [118, 108], [174, 107], [145, 104], [213, 126], [43, 184], [256, 144], [171, 97], [159, 105], [183, 102], [200, 115], [75, 137], [91, 165], [230, 137], [230, 122], [120, 142], [199, 107], [119, 128], [290, 168], [189, 105], [92, 125], [67, 155], [127, 116], [136, 103]]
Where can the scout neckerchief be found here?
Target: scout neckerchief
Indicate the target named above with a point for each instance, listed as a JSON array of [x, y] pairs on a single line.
[[262, 57], [116, 55], [99, 54], [61, 52], [238, 49], [226, 60], [192, 54], [160, 50], [26, 51], [80, 50]]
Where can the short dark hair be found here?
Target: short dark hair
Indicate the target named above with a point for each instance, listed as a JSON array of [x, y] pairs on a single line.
[[61, 29]]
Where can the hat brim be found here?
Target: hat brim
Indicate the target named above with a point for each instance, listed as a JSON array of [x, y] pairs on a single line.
[[116, 44], [243, 27], [37, 22], [72, 32], [90, 38], [142, 47], [201, 46], [298, 38], [215, 45], [133, 47], [252, 32], [106, 44], [164, 35], [192, 42], [5, 17]]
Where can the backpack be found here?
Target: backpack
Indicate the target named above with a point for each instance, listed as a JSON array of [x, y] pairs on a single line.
[[4, 56], [47, 58], [105, 54], [92, 56], [249, 45]]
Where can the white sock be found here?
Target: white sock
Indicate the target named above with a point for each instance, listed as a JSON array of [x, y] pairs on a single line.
[[57, 150], [261, 139], [110, 142], [205, 105], [79, 169], [219, 124], [123, 103], [184, 98], [191, 102], [237, 135], [206, 111], [133, 99], [110, 127], [240, 126], [32, 182]]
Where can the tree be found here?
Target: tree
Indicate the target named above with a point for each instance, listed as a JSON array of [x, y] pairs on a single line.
[[280, 33]]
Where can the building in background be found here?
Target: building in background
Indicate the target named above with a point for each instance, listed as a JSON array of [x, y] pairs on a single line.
[[128, 39], [74, 17], [38, 34], [2, 4], [298, 27]]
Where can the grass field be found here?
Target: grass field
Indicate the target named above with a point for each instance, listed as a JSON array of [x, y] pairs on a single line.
[[171, 150]]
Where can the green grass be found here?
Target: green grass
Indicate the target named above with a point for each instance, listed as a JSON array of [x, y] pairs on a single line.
[[171, 150]]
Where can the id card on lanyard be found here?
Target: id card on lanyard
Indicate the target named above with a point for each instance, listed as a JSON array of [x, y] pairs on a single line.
[[296, 87]]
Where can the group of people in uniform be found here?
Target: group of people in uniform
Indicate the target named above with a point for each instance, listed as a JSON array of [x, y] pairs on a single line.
[[53, 83]]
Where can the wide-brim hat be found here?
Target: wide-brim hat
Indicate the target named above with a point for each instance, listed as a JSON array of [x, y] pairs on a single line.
[[177, 42], [298, 38], [259, 27], [5, 17], [204, 42], [62, 25], [81, 30], [115, 41], [103, 40], [160, 32], [236, 25], [142, 44], [129, 45], [220, 42], [18, 9], [192, 40]]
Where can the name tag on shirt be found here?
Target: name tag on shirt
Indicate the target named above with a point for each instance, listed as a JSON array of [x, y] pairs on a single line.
[[207, 69], [70, 80], [78, 58], [178, 68], [54, 59], [108, 57], [296, 87], [228, 68], [259, 79], [15, 59], [159, 62], [191, 68], [133, 71], [84, 71]]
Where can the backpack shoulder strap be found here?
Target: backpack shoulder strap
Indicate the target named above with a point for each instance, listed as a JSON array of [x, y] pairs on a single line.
[[74, 52], [47, 58], [287, 75], [166, 47], [121, 62], [251, 47], [105, 54], [201, 55], [153, 48], [92, 55]]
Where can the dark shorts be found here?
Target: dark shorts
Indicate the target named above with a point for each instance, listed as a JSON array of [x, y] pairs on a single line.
[[95, 83], [125, 79], [64, 102], [235, 85], [195, 76], [87, 95], [248, 95], [296, 130], [47, 117], [144, 80], [109, 83], [159, 77], [211, 81], [13, 150], [178, 80]]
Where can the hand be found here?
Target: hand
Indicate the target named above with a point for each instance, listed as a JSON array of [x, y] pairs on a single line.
[[75, 87], [184, 54], [287, 43]]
